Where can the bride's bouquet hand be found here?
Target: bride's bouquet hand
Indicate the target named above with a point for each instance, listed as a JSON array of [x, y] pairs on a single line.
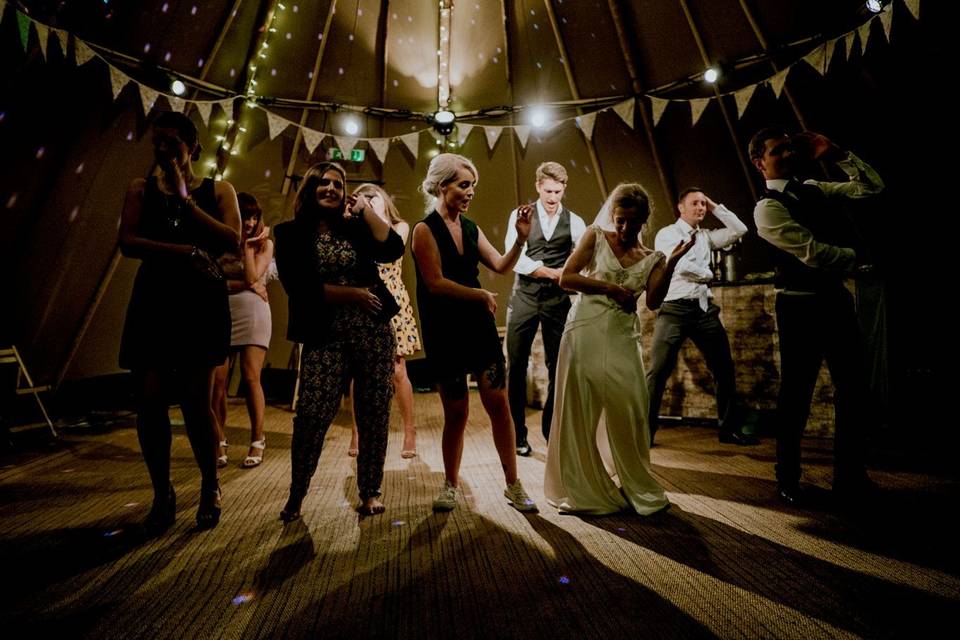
[[625, 299]]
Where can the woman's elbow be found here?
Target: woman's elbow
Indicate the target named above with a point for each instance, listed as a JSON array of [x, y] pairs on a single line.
[[231, 241], [128, 247]]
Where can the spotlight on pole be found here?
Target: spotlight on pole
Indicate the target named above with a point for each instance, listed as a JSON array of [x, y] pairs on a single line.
[[351, 127], [178, 87], [876, 6], [711, 75], [538, 117]]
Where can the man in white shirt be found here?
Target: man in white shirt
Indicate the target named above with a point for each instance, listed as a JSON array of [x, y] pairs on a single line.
[[816, 319], [537, 298], [688, 310]]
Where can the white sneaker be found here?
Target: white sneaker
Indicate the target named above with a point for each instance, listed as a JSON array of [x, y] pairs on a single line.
[[446, 500], [518, 497]]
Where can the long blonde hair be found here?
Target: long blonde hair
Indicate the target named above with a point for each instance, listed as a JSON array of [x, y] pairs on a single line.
[[370, 189]]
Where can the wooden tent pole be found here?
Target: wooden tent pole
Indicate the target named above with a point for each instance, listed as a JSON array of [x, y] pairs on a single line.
[[258, 39], [506, 66], [384, 20], [766, 49], [291, 165], [748, 172], [591, 149], [648, 126]]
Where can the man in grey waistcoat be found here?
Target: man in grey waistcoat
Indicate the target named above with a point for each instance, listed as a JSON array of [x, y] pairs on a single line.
[[537, 298]]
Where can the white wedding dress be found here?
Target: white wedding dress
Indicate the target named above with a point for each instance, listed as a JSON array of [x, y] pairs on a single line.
[[598, 456]]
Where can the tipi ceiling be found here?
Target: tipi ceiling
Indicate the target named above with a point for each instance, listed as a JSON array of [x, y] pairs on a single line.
[[621, 80]]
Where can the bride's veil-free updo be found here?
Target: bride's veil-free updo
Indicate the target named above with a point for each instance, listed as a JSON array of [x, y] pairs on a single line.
[[626, 195]]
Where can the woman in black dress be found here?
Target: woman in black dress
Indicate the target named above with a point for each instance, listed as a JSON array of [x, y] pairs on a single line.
[[456, 315], [327, 260], [177, 328]]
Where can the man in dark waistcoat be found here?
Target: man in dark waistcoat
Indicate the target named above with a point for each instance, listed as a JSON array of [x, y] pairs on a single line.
[[537, 298], [812, 253]]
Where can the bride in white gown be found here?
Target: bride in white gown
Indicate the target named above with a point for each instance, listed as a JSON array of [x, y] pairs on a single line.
[[598, 457]]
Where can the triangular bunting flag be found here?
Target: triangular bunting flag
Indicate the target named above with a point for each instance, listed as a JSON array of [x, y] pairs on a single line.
[[148, 97], [380, 147], [275, 123], [463, 130], [815, 59], [625, 110], [311, 139], [118, 80], [345, 144], [743, 98], [23, 26], [659, 105], [776, 82], [914, 6], [412, 142], [43, 36], [62, 39], [848, 43], [81, 52], [696, 108], [492, 134], [886, 19], [828, 54], [864, 33], [3, 7], [523, 134], [227, 105], [586, 122], [204, 109], [176, 104]]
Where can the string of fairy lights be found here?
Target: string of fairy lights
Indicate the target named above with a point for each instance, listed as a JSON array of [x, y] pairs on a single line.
[[234, 128]]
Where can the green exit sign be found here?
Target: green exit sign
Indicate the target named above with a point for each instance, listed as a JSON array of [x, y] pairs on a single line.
[[356, 155]]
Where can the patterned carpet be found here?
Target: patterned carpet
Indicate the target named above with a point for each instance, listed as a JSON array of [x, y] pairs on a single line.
[[726, 560]]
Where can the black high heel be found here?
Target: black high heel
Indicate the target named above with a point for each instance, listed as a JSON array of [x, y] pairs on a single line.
[[291, 511], [162, 518], [208, 513]]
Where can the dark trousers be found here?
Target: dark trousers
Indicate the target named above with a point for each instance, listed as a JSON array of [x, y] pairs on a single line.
[[533, 305], [367, 357], [812, 328], [677, 321]]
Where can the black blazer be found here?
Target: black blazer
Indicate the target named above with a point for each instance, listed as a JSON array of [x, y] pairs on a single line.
[[308, 319]]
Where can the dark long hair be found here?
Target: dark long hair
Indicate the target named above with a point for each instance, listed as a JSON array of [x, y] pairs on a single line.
[[249, 207], [305, 208]]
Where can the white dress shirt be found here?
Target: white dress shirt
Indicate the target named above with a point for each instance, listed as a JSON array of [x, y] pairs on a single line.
[[548, 224], [692, 273]]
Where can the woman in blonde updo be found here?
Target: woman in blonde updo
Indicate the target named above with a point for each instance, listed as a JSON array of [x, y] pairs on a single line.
[[456, 314]]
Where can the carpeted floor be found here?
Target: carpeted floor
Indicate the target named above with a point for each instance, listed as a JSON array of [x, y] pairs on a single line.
[[726, 560]]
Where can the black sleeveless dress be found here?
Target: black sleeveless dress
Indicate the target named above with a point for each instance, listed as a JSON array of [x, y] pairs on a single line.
[[459, 336], [177, 316]]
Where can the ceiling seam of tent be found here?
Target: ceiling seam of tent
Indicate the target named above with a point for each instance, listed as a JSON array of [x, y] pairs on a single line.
[[637, 87], [575, 93], [762, 39], [318, 60], [735, 140]]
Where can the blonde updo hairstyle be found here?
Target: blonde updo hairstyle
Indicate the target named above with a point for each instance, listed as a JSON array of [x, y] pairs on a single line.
[[442, 171]]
